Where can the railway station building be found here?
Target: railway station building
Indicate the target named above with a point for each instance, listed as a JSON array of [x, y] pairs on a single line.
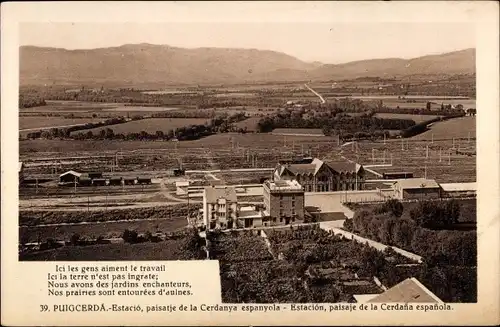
[[316, 175]]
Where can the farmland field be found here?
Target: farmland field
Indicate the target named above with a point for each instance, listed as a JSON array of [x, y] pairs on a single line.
[[107, 230], [250, 124], [164, 250], [151, 125], [32, 122], [416, 118], [463, 127]]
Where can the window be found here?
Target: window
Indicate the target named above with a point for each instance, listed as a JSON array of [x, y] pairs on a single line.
[[281, 219]]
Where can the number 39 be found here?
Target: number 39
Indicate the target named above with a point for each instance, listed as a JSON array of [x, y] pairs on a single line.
[[44, 308]]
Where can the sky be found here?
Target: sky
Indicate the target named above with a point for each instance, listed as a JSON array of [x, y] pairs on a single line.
[[325, 42]]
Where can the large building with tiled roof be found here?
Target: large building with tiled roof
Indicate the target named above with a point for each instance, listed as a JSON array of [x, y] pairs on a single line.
[[316, 175]]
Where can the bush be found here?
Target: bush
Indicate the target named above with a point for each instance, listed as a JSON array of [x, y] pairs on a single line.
[[393, 206], [130, 236], [75, 239]]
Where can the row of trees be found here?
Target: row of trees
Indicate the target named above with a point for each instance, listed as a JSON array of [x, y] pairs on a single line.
[[219, 124], [444, 111], [390, 227], [30, 100], [334, 122], [66, 132]]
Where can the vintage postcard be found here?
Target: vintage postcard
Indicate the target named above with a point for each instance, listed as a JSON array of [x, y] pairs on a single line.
[[250, 163]]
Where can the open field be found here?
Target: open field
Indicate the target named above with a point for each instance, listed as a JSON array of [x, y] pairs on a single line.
[[463, 127], [149, 125], [416, 118], [36, 218], [164, 250], [105, 229], [409, 155], [83, 109], [33, 122], [250, 124]]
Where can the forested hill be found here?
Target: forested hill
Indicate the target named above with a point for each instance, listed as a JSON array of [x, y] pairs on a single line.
[[140, 64]]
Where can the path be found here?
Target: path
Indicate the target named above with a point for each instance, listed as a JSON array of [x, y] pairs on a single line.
[[316, 93]]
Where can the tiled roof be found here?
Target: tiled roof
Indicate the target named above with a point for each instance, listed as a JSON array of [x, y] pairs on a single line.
[[408, 291], [302, 169], [211, 194], [343, 166], [316, 164]]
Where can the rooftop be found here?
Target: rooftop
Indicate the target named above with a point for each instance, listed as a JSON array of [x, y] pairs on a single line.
[[408, 291], [454, 187], [250, 214], [344, 166], [311, 167], [71, 172], [417, 183], [212, 194], [284, 185]]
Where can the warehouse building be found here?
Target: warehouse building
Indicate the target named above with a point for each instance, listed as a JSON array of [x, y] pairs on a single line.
[[283, 202], [416, 189], [459, 189], [70, 177]]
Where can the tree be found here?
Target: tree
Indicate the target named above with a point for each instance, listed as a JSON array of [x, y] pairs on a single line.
[[452, 211], [393, 206], [348, 225], [109, 134], [130, 236], [75, 239]]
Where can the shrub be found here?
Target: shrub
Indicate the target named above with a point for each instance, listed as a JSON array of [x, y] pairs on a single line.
[[130, 236]]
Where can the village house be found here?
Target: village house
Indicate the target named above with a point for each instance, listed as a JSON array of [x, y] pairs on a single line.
[[416, 189], [283, 201], [316, 175], [220, 207]]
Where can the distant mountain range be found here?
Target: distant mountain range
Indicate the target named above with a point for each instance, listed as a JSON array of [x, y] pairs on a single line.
[[141, 64]]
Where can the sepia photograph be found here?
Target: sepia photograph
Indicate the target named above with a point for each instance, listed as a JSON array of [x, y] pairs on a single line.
[[316, 162]]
